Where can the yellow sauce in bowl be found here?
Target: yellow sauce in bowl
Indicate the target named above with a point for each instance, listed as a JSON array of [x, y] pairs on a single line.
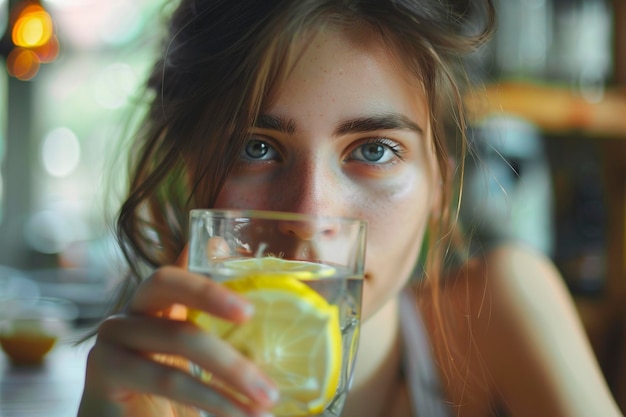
[[27, 348]]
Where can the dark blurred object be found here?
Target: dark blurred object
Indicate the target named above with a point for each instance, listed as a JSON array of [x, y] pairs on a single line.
[[508, 188], [581, 214]]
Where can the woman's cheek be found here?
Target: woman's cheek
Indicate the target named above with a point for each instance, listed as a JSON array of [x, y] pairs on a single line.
[[397, 217], [238, 195]]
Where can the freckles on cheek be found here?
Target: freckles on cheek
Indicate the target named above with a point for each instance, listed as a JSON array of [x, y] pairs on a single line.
[[236, 196]]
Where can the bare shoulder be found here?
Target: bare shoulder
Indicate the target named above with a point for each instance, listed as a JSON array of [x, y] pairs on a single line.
[[500, 271], [511, 280], [512, 339]]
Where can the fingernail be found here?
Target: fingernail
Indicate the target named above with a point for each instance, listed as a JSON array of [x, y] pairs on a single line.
[[265, 391], [245, 307]]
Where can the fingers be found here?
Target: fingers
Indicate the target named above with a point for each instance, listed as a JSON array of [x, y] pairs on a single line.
[[156, 335], [172, 285], [123, 359], [131, 372]]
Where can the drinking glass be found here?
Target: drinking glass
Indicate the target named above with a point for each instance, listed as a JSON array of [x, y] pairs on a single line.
[[304, 276]]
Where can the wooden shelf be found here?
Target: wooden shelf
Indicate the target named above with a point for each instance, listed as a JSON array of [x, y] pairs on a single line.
[[554, 109]]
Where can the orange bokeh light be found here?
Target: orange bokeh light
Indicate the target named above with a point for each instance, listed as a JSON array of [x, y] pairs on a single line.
[[33, 27], [48, 52], [22, 64]]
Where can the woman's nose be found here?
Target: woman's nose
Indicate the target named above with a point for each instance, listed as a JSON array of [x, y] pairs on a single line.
[[312, 187]]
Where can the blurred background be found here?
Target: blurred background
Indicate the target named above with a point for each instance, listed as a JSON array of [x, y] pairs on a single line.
[[70, 73], [549, 131]]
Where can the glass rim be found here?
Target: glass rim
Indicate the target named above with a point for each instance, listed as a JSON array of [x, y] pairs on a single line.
[[274, 215]]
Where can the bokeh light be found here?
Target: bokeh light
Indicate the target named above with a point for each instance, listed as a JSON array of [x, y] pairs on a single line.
[[32, 28], [60, 152], [48, 231], [94, 24], [49, 51], [22, 63], [55, 226], [33, 38]]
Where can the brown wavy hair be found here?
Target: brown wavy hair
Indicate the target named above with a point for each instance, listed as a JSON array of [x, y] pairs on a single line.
[[222, 60]]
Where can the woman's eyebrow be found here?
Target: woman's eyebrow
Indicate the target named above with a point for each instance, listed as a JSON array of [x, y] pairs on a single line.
[[269, 122], [385, 121]]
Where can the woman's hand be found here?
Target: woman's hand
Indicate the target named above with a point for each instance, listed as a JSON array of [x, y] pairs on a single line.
[[125, 377]]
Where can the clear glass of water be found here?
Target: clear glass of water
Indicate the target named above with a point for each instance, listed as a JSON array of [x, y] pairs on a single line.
[[304, 275]]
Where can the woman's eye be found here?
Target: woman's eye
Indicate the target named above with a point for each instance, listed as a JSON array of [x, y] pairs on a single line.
[[259, 150], [378, 151]]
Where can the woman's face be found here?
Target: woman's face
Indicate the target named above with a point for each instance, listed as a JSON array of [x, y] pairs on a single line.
[[347, 135]]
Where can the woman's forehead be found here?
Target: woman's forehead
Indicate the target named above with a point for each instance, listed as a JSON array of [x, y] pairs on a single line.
[[332, 48]]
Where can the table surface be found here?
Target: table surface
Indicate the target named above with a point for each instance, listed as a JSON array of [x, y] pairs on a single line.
[[51, 390]]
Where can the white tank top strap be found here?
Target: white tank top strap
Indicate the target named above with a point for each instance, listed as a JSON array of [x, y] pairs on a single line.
[[419, 369]]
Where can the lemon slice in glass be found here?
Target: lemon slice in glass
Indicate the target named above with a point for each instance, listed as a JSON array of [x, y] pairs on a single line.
[[272, 266], [294, 335]]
